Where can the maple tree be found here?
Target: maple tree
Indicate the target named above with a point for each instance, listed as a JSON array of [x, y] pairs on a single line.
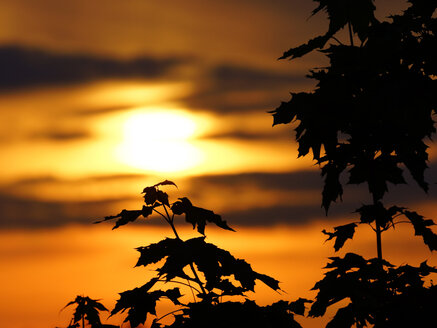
[[211, 274], [368, 119]]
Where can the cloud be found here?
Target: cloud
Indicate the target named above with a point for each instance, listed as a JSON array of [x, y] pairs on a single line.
[[298, 180], [261, 199], [230, 88], [221, 88], [227, 77], [102, 110], [21, 212], [61, 135], [36, 181], [245, 135], [28, 67], [19, 208]]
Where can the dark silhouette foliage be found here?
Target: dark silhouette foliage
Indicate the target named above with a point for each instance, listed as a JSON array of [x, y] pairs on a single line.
[[87, 309], [369, 118], [372, 109], [209, 272]]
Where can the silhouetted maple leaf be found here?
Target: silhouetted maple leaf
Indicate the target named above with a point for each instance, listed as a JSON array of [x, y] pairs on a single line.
[[340, 12], [216, 264], [156, 252], [198, 216], [421, 229], [315, 43], [165, 183], [88, 309], [140, 302], [153, 194], [126, 216], [332, 190], [360, 14], [341, 234]]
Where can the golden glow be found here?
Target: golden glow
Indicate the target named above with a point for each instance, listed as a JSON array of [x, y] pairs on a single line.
[[159, 141], [98, 262]]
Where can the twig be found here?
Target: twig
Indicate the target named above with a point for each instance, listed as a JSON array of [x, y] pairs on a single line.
[[169, 314]]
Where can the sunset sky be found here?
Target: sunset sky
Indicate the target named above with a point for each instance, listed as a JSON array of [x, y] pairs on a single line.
[[101, 98]]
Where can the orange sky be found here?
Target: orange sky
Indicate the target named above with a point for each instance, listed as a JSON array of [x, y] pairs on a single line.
[[99, 99]]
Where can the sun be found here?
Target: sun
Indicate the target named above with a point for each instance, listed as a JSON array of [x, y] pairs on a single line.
[[159, 141]]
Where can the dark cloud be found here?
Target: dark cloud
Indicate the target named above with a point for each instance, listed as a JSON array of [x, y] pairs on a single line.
[[19, 212], [38, 180], [274, 215], [92, 111], [25, 212], [26, 67], [298, 180], [61, 135], [227, 77], [243, 135], [236, 88]]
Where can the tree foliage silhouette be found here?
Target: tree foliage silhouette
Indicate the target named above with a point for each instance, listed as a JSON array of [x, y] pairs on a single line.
[[209, 272], [87, 309], [368, 119]]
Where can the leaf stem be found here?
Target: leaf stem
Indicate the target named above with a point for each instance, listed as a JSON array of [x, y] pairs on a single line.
[[378, 241], [351, 37], [169, 314], [191, 289], [193, 269], [166, 212], [165, 218], [174, 229], [199, 282], [339, 42], [182, 283], [378, 234]]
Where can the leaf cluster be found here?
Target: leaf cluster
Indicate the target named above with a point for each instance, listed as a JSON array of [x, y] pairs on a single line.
[[154, 198], [359, 14], [217, 266], [238, 315], [372, 109], [377, 293], [377, 215], [209, 272], [142, 301], [368, 120], [88, 309]]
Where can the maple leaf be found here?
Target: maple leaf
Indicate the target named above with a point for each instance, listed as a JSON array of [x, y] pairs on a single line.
[[198, 216], [315, 43], [360, 14], [216, 264], [165, 183], [153, 194], [332, 190], [88, 309], [377, 212], [341, 234], [141, 301], [126, 216], [421, 229]]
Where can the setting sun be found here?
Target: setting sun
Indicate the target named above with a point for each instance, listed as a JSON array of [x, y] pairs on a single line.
[[159, 141]]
